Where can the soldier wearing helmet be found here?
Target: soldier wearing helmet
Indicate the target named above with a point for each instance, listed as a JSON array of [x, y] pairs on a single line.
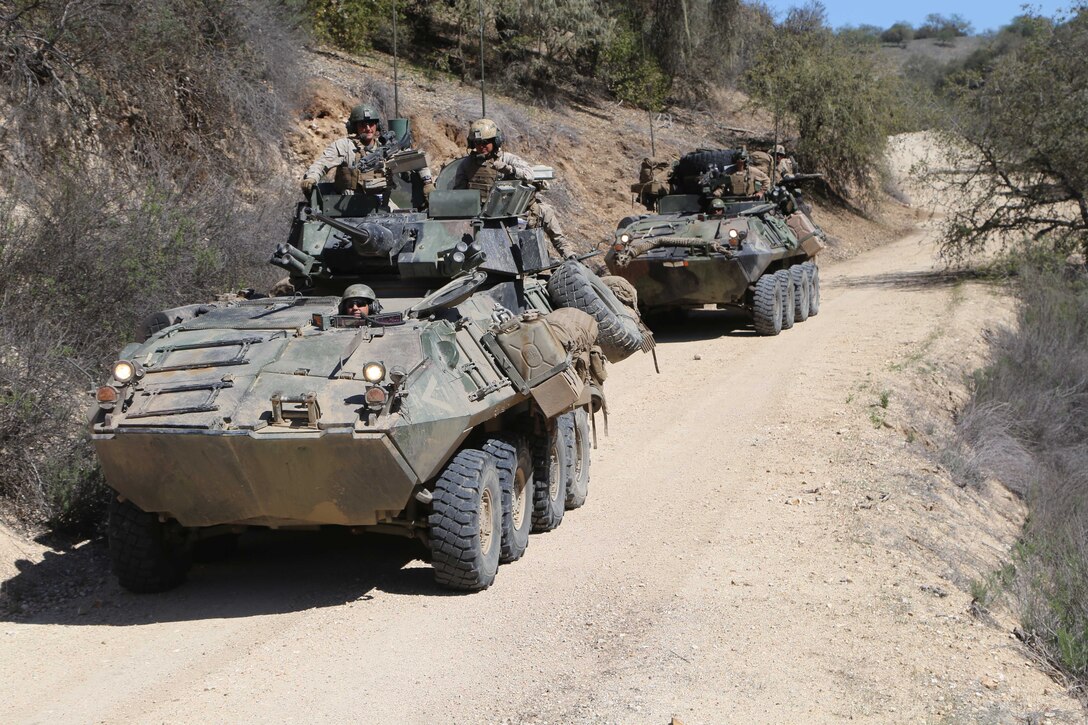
[[784, 164], [489, 164], [364, 137], [746, 180], [359, 300], [717, 207]]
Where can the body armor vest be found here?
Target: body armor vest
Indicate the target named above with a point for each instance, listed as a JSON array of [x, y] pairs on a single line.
[[351, 179], [483, 178]]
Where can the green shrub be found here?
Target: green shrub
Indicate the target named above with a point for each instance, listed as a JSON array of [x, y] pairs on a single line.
[[838, 101]]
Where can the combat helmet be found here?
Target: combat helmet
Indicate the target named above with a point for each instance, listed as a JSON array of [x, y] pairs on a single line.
[[779, 150], [358, 291], [484, 129], [362, 112]]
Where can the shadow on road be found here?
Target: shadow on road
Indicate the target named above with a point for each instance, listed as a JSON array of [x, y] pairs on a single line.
[[908, 281], [272, 573], [701, 325]]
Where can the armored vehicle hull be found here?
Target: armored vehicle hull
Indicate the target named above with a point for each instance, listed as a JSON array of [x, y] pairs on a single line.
[[749, 257], [459, 416]]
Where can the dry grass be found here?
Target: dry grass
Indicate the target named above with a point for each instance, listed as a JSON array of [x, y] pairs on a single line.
[[1027, 425]]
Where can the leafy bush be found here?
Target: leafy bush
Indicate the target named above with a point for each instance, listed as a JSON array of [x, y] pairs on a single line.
[[632, 74], [900, 33], [152, 132]]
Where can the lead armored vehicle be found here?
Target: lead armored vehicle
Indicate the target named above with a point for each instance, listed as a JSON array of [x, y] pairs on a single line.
[[458, 415], [706, 245]]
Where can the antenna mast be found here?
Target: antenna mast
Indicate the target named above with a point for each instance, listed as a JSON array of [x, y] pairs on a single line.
[[396, 84], [653, 148], [483, 94]]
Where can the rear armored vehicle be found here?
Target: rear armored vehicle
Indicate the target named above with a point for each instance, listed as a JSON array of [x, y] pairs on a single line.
[[456, 410], [718, 239]]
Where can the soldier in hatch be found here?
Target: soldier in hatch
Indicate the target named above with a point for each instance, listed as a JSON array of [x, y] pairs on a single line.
[[784, 164], [359, 300], [489, 164], [364, 137], [746, 180]]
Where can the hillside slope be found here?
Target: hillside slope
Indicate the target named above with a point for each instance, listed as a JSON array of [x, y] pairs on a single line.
[[596, 150]]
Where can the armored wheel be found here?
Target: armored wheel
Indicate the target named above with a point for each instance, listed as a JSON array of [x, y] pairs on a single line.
[[789, 297], [148, 555], [814, 288], [767, 305], [801, 283], [551, 466], [515, 464], [579, 449], [466, 522], [574, 285]]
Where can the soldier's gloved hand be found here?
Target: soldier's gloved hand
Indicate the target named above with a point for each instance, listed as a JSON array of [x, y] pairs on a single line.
[[501, 166], [307, 185]]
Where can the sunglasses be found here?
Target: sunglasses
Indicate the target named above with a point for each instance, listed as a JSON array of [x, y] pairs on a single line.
[[356, 302]]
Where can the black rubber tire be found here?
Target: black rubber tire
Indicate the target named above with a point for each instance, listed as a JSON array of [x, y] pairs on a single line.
[[551, 471], [804, 291], [767, 306], [466, 522], [578, 485], [789, 297], [574, 285], [814, 288], [515, 464], [147, 555], [685, 174]]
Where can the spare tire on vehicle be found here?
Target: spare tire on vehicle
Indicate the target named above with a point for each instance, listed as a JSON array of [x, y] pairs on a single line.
[[686, 173], [573, 285]]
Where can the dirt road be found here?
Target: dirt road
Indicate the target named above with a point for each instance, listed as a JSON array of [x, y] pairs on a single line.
[[764, 541]]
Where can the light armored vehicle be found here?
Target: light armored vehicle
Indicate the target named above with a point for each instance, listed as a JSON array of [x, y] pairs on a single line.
[[708, 246], [459, 415]]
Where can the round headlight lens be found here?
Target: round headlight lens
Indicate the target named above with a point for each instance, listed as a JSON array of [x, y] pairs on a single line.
[[733, 234], [123, 371], [625, 238], [373, 372]]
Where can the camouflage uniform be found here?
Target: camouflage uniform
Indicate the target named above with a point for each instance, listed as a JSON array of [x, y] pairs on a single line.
[[786, 167], [744, 182], [342, 155], [503, 166]]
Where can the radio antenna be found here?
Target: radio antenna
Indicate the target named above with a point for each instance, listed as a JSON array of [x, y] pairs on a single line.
[[774, 161], [483, 94], [653, 147], [396, 84]]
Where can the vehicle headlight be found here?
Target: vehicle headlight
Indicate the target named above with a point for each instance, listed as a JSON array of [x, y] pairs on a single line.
[[624, 238], [373, 372], [124, 371]]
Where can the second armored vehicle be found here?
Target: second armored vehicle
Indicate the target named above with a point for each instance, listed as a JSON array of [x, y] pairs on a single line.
[[706, 245]]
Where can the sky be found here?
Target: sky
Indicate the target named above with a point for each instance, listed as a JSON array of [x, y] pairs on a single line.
[[982, 14]]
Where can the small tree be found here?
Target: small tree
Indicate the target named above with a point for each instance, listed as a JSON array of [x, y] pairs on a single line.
[[1019, 143], [840, 104], [900, 34]]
